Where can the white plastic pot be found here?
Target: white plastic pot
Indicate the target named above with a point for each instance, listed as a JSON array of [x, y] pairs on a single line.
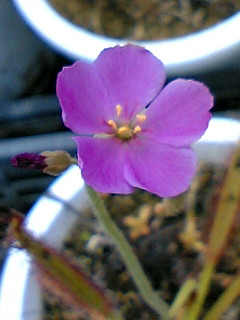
[[51, 219], [201, 51]]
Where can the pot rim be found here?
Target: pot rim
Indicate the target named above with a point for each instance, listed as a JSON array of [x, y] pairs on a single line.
[[20, 296], [200, 51]]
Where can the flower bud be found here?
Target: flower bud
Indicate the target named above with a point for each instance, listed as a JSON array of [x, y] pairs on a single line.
[[57, 162], [29, 160], [50, 162]]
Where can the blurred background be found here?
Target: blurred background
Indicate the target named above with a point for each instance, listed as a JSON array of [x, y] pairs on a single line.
[[30, 118]]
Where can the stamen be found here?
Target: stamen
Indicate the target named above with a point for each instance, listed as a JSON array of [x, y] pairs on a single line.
[[137, 129], [141, 117], [113, 124], [119, 110]]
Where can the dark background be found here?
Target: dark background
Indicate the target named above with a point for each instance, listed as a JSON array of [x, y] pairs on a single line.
[[30, 118]]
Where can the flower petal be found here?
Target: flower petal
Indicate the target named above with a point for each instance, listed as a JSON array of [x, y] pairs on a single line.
[[180, 114], [132, 76], [84, 102], [158, 168], [102, 163]]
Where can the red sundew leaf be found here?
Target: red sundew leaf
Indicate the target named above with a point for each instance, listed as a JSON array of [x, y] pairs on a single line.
[[62, 277]]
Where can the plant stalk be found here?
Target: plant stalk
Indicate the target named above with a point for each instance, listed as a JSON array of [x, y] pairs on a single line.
[[225, 300], [141, 281], [204, 284]]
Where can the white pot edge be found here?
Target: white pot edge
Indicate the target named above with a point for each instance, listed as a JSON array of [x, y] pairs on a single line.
[[200, 51], [20, 295], [19, 292]]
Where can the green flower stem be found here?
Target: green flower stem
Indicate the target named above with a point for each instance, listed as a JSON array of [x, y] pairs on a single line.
[[131, 261], [117, 316], [225, 300], [182, 296], [203, 287]]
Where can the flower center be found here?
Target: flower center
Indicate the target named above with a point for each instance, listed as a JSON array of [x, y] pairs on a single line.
[[124, 131]]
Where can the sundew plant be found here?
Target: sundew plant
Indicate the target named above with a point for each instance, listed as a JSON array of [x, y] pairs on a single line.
[[131, 132]]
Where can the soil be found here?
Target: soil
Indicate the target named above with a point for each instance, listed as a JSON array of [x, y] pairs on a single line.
[[154, 231], [145, 20]]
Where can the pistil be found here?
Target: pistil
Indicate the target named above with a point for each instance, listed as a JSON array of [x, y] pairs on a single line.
[[125, 133]]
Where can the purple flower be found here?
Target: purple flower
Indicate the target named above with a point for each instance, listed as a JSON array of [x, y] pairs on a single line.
[[132, 132]]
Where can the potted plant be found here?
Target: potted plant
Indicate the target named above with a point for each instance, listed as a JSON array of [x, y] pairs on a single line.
[[133, 133], [199, 52]]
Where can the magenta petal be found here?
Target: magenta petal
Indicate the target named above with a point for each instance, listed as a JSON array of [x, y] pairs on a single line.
[[180, 114], [84, 102], [102, 163], [158, 168], [132, 76]]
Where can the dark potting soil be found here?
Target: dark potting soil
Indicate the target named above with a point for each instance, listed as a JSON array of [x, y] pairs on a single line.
[[153, 226], [145, 20]]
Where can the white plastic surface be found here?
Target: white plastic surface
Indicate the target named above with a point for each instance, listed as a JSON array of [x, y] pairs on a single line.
[[202, 50], [50, 219]]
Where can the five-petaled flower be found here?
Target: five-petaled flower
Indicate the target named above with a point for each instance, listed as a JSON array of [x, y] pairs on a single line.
[[131, 131]]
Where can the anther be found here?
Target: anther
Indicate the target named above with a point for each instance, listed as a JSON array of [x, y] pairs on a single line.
[[113, 124], [137, 129], [141, 117], [119, 109]]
